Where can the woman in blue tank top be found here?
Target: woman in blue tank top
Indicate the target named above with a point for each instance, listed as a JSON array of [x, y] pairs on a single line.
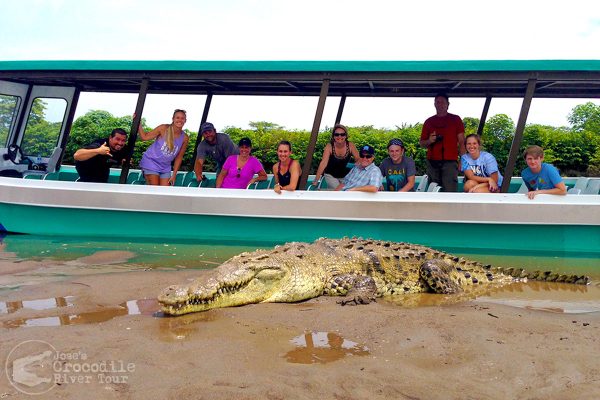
[[170, 144], [336, 156]]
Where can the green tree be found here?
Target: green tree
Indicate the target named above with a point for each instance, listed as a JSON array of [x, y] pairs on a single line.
[[585, 117]]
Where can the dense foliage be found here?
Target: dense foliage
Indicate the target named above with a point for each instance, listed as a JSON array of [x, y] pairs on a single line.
[[574, 150]]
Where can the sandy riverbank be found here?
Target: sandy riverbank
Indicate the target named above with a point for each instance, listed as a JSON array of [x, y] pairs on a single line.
[[315, 349]]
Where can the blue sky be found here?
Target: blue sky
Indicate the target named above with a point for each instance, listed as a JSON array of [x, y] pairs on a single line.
[[306, 30]]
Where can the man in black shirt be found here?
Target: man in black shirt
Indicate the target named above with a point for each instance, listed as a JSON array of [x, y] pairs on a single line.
[[93, 161]]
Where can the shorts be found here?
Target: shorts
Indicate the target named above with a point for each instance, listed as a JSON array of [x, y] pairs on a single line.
[[162, 175]]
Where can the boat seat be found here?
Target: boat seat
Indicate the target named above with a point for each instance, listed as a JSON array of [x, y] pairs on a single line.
[[53, 160], [422, 184], [581, 183], [523, 188], [259, 185], [434, 187], [574, 191], [189, 177], [593, 187], [134, 176], [318, 186]]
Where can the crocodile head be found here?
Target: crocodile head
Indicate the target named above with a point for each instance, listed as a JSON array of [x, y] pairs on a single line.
[[244, 279]]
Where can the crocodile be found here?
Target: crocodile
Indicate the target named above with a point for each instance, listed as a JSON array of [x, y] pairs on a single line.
[[358, 269]]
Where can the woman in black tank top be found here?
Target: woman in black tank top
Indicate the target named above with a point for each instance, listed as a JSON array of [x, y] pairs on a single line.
[[336, 156], [287, 171]]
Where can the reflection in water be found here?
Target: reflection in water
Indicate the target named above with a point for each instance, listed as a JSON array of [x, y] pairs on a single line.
[[174, 329], [10, 307], [131, 307], [323, 347], [546, 296]]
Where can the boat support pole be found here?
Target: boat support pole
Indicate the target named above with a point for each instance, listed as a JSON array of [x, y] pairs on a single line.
[[202, 120], [516, 143], [314, 133], [338, 117], [484, 113], [139, 108]]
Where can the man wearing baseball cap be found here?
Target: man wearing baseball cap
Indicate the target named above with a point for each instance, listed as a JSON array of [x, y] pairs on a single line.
[[399, 171], [365, 176], [215, 145]]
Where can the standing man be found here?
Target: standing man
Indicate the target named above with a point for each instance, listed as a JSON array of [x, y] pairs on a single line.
[[365, 176], [218, 146], [443, 135], [93, 161], [399, 170]]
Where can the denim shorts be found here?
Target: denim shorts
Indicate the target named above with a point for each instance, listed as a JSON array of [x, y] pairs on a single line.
[[162, 175]]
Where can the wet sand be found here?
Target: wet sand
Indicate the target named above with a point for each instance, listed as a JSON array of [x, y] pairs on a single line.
[[315, 349]]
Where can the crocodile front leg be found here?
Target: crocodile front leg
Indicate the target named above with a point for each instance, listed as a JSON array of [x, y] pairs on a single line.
[[436, 273], [356, 289]]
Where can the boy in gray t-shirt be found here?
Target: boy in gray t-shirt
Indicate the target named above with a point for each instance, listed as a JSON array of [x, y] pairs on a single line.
[[399, 171]]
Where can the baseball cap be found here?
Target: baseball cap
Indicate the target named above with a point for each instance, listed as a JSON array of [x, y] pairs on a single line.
[[366, 149], [395, 142], [207, 126], [245, 142]]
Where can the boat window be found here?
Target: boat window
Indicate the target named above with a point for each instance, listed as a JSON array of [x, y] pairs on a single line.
[[8, 113], [43, 126]]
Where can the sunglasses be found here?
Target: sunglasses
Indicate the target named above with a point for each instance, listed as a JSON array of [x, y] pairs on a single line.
[[239, 170], [339, 134], [366, 156]]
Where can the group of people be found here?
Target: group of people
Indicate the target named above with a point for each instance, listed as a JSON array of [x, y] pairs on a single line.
[[443, 135]]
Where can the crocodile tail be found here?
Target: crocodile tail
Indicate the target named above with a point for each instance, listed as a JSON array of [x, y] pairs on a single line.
[[549, 276], [544, 276]]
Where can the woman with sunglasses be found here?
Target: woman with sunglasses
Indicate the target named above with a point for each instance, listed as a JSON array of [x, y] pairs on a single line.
[[169, 147], [238, 170], [336, 156]]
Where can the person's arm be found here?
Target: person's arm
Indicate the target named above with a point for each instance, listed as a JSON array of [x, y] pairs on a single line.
[[354, 151], [410, 184], [461, 143], [198, 167], [322, 164], [220, 178], [153, 134], [427, 138], [558, 189], [178, 159], [262, 176], [86, 154]]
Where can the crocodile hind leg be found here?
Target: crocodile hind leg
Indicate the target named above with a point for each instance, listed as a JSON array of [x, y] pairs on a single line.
[[436, 273], [356, 289]]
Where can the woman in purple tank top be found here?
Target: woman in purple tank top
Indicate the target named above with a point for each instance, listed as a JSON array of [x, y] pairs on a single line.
[[169, 147]]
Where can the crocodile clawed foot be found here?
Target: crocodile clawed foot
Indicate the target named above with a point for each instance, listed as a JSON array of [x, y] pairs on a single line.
[[357, 300]]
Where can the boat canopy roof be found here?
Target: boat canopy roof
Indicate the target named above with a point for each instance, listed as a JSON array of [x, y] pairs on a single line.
[[474, 78]]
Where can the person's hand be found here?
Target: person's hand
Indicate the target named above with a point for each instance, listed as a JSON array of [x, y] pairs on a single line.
[[277, 188], [104, 150], [531, 194], [172, 180], [493, 186], [432, 137]]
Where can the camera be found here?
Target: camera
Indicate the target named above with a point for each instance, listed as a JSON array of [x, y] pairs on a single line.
[[439, 138]]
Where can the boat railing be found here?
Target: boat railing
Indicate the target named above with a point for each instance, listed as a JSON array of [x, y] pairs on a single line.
[[584, 185]]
